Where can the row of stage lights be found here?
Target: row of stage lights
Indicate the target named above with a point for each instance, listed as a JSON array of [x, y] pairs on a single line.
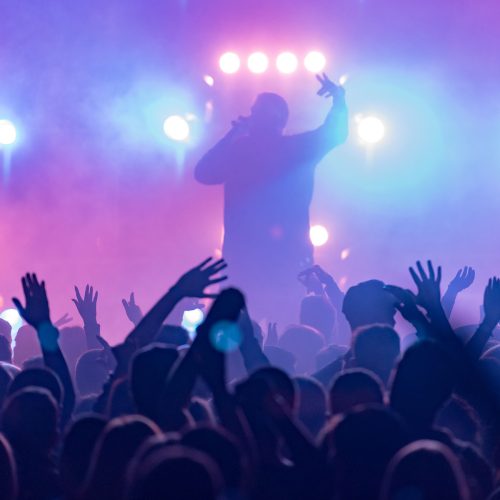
[[285, 62]]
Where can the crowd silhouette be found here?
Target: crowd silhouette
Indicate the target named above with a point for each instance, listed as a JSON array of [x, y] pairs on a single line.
[[238, 411]]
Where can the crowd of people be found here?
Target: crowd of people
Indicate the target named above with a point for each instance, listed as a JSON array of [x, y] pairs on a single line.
[[335, 407]]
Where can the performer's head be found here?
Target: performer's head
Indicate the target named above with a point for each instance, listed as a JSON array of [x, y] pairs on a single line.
[[269, 114]]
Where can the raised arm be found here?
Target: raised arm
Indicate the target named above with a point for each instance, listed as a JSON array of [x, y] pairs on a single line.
[[87, 308], [36, 312], [462, 280], [334, 130]]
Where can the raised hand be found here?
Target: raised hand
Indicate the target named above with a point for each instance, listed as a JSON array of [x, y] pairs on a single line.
[[428, 285], [64, 320], [132, 310], [491, 302], [311, 281], [195, 281], [36, 311], [87, 305], [463, 279], [329, 88]]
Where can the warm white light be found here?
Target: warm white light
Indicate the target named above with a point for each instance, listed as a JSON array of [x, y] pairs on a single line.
[[258, 62], [345, 254], [209, 80], [287, 63], [14, 319], [229, 63], [8, 132], [176, 128], [343, 79], [318, 235], [315, 62], [370, 129]]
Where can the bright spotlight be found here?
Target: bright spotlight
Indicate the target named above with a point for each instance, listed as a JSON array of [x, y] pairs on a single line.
[[8, 132], [315, 62], [318, 235], [258, 62], [14, 319], [229, 62], [287, 62], [370, 129], [176, 128]]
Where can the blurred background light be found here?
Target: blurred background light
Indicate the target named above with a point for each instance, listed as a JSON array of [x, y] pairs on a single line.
[[14, 319], [209, 80], [229, 62], [176, 128], [225, 336], [370, 129], [8, 132], [315, 62], [287, 63], [258, 62], [318, 235]]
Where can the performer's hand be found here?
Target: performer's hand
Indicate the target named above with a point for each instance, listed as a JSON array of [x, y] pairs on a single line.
[[241, 125], [329, 88]]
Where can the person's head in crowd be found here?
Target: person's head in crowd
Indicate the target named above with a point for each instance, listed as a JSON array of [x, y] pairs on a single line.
[[91, 372], [355, 387], [427, 470], [30, 419], [38, 377], [78, 445], [5, 329], [223, 448], [73, 344], [27, 345], [173, 335], [317, 311], [369, 303], [269, 115], [5, 380], [280, 358], [376, 348], [8, 471], [117, 444], [304, 342], [422, 383], [120, 400], [361, 445], [150, 368], [312, 404], [461, 420], [176, 473], [5, 350]]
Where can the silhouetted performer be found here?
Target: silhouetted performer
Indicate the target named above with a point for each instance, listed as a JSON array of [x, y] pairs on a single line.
[[268, 183]]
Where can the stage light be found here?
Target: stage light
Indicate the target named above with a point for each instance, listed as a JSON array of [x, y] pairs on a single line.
[[8, 132], [192, 319], [315, 62], [14, 319], [287, 62], [318, 235], [258, 62], [209, 80], [343, 79], [176, 128], [229, 63], [370, 129]]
